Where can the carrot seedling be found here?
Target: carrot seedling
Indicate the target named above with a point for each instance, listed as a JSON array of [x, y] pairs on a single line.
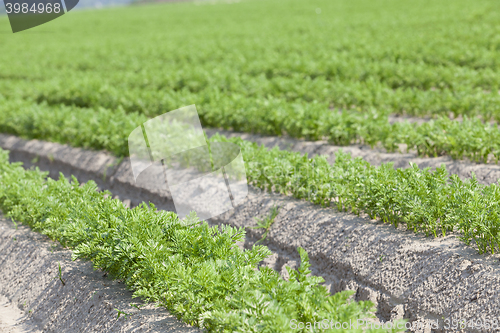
[[60, 275], [266, 223], [120, 312]]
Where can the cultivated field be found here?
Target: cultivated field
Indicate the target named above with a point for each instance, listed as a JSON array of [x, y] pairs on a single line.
[[401, 85]]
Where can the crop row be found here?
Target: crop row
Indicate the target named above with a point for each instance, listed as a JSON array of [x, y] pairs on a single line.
[[194, 270], [232, 88], [424, 201], [441, 58], [430, 202], [108, 129]]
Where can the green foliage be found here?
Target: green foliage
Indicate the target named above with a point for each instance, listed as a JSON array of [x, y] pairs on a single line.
[[266, 223], [120, 313], [101, 129], [59, 276], [272, 67], [109, 129], [430, 202], [194, 270]]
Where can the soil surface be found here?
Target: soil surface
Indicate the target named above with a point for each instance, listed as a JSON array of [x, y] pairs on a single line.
[[405, 275], [13, 320], [34, 299]]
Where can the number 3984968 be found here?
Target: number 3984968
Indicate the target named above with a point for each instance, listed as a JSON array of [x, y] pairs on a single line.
[[39, 8]]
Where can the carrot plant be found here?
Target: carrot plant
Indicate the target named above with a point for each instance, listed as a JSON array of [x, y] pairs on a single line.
[[331, 75], [266, 223], [433, 203], [196, 271], [430, 202], [253, 63], [109, 129]]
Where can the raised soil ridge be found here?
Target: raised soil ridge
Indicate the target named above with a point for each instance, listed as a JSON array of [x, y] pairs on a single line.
[[405, 275]]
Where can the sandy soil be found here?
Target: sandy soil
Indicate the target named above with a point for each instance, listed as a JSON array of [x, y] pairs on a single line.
[[13, 320], [33, 299], [406, 275]]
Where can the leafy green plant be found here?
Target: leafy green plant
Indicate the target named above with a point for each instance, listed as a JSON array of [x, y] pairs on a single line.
[[137, 306], [194, 270], [79, 127], [434, 203], [125, 315], [59, 274], [266, 223], [266, 76]]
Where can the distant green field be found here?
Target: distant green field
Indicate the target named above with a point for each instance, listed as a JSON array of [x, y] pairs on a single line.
[[274, 67]]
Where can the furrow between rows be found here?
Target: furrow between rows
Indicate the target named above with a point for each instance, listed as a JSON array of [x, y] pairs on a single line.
[[405, 274]]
